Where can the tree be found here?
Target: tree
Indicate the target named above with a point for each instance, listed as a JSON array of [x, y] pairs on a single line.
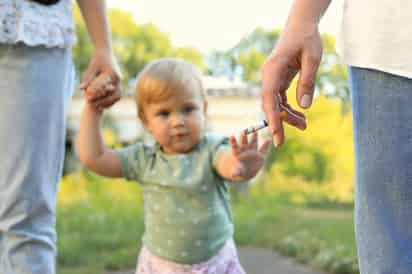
[[245, 59], [134, 45]]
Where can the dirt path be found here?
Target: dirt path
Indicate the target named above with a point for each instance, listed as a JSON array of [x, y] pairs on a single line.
[[262, 261]]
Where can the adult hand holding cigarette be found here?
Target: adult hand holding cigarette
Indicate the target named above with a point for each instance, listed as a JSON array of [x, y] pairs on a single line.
[[286, 114]]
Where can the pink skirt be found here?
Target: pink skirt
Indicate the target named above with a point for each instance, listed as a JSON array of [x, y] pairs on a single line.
[[226, 261]]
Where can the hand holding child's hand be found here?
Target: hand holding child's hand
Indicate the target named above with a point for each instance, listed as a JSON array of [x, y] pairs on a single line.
[[249, 159], [102, 92]]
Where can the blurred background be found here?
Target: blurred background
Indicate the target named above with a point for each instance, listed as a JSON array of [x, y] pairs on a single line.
[[301, 203]]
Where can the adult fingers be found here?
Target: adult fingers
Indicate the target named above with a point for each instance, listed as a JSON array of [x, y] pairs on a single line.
[[307, 79], [271, 80], [294, 117], [102, 92], [89, 75]]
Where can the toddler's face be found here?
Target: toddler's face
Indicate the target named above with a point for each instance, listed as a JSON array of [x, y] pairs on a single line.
[[177, 123]]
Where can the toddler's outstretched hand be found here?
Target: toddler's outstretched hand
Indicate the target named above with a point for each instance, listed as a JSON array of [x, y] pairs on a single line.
[[249, 159]]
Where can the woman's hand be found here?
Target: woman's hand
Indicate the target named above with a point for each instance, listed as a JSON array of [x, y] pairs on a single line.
[[101, 92], [101, 81], [247, 158], [299, 50]]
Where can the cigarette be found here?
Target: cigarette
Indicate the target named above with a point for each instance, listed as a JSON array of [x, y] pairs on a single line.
[[264, 124]]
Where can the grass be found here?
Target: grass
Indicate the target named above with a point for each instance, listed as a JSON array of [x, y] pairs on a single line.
[[102, 231], [322, 237]]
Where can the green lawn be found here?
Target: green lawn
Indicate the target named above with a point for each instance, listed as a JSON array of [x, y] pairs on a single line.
[[322, 237]]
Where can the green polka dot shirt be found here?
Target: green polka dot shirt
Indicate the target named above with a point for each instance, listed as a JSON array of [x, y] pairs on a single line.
[[186, 203]]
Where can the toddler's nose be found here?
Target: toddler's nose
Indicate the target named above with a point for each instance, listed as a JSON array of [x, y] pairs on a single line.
[[178, 120]]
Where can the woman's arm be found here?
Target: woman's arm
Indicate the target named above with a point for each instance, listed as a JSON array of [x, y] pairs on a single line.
[[103, 60], [307, 11], [94, 15], [298, 50], [90, 148]]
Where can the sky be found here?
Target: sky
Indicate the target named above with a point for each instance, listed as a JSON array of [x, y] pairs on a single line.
[[217, 24]]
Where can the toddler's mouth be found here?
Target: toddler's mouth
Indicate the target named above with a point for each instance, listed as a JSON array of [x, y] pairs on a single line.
[[180, 135]]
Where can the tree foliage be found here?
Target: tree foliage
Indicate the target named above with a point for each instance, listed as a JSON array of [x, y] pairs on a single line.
[[134, 45], [244, 60]]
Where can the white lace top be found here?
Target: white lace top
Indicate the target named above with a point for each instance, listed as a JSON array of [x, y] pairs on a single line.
[[35, 24]]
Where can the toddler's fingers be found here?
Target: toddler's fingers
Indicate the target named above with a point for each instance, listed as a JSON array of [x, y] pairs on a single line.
[[110, 87], [243, 139], [108, 100], [234, 145], [264, 148], [100, 86], [102, 93], [254, 141]]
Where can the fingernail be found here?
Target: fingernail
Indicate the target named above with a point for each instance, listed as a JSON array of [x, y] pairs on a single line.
[[276, 141], [305, 101]]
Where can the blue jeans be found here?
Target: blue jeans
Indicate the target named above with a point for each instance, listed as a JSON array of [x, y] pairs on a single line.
[[382, 115], [35, 88]]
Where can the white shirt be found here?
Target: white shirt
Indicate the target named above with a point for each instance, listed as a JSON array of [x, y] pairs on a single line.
[[377, 34], [35, 24]]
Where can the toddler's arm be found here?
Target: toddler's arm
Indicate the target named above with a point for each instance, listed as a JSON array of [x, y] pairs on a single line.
[[243, 160], [90, 148]]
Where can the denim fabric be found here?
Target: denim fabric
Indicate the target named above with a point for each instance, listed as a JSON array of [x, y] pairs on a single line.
[[382, 115], [35, 88]]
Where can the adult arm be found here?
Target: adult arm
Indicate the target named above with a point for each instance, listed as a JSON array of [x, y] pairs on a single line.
[[298, 50], [103, 60]]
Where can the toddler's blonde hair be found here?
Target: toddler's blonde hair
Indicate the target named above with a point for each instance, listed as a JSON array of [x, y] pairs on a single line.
[[164, 78]]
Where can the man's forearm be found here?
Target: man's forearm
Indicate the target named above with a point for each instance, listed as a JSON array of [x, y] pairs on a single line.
[[307, 11], [95, 17]]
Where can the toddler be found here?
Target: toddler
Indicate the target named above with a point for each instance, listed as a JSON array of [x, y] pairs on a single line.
[[184, 176]]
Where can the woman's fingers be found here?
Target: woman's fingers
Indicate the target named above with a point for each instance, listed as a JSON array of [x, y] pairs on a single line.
[[90, 74], [293, 117], [101, 86], [272, 75]]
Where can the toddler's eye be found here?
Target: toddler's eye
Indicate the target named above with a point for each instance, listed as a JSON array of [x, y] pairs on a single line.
[[163, 113], [188, 109]]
